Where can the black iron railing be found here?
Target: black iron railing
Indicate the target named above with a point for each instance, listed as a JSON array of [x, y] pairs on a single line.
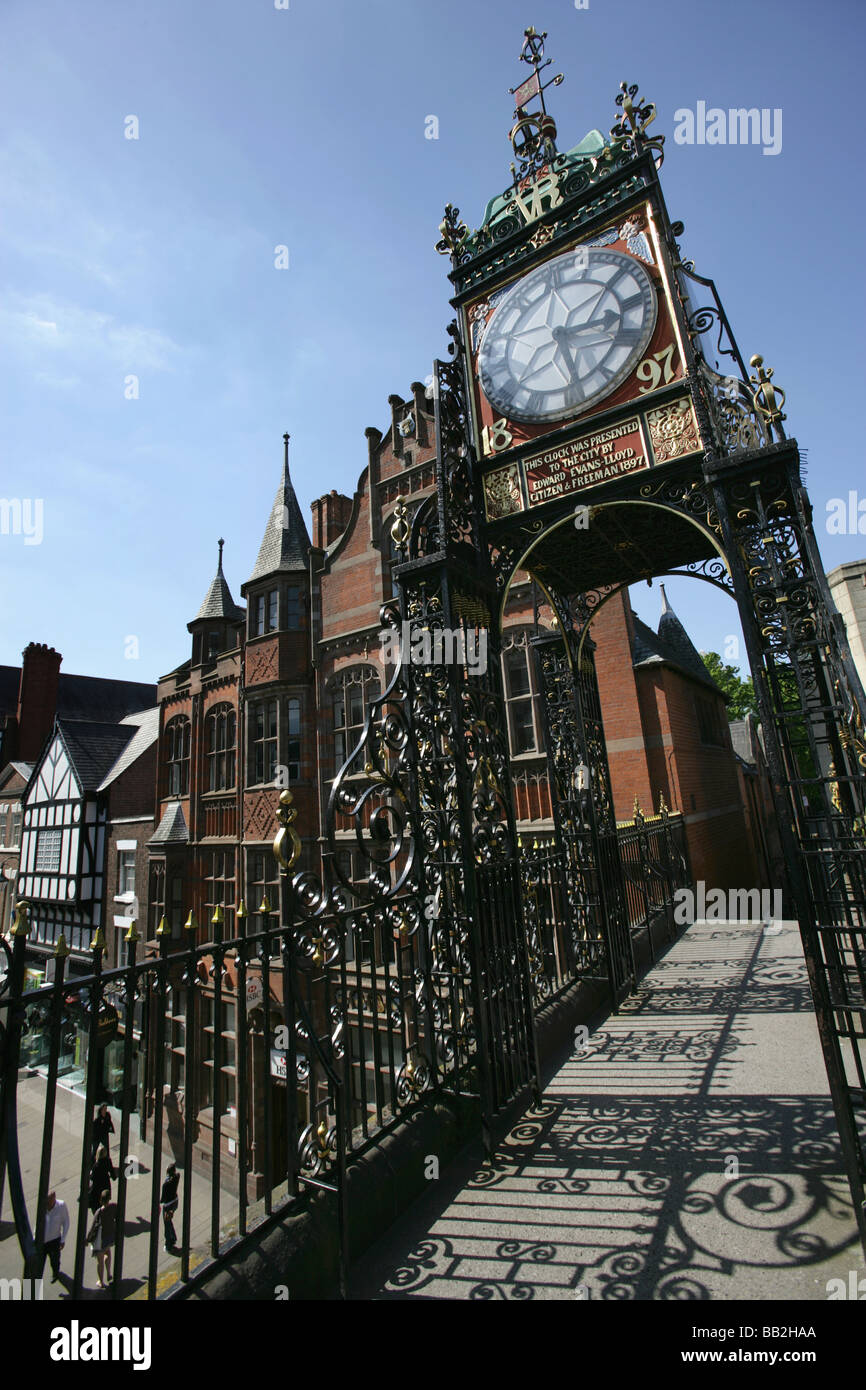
[[264, 1063], [566, 942]]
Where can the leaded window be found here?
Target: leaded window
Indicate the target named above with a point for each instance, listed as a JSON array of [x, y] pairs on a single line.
[[221, 742], [521, 696], [177, 733], [220, 888], [263, 724], [351, 693], [293, 745]]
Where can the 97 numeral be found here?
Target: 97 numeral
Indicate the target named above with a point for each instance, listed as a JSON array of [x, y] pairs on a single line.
[[655, 369]]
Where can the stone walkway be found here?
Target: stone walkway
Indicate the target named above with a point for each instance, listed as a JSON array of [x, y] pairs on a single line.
[[65, 1166], [689, 1153]]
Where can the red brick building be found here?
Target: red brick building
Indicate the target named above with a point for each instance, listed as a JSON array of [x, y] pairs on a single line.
[[274, 694]]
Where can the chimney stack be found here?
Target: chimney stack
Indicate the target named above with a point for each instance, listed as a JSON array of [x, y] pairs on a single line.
[[37, 698], [331, 515]]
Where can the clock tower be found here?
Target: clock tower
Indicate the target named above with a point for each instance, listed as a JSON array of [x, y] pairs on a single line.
[[597, 425]]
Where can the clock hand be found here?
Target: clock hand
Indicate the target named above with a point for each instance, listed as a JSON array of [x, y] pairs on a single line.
[[607, 321], [560, 337]]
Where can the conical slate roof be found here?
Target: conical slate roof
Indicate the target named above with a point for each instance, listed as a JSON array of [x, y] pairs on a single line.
[[218, 601], [671, 645], [286, 542]]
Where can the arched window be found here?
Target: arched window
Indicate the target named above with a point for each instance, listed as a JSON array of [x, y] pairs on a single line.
[[221, 735], [351, 692], [177, 756]]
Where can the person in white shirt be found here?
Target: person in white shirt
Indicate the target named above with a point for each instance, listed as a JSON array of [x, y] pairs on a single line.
[[56, 1227]]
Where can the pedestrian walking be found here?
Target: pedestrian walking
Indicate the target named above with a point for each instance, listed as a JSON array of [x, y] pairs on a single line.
[[168, 1198], [101, 1238], [101, 1175], [54, 1234], [103, 1125]]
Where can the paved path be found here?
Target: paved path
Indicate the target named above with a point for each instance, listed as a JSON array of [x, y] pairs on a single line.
[[690, 1153], [65, 1167]]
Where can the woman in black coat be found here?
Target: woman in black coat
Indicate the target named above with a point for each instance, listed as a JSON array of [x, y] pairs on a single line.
[[101, 1175], [103, 1125]]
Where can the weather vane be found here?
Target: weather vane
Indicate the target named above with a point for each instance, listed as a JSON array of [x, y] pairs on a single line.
[[533, 136]]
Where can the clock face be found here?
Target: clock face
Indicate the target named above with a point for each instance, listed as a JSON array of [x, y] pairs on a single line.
[[567, 335]]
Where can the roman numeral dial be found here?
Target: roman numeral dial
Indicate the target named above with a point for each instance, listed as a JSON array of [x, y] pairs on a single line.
[[567, 335]]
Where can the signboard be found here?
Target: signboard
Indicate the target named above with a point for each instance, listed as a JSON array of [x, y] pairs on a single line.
[[255, 991], [106, 1025], [585, 462], [278, 1064]]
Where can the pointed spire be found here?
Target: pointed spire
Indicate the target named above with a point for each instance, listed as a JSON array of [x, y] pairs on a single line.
[[286, 543], [679, 644], [218, 602]]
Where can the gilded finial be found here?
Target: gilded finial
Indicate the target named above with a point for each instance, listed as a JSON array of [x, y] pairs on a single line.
[[664, 809], [61, 949], [400, 526], [265, 905], [21, 919], [452, 232], [287, 845], [163, 929], [191, 924], [628, 131], [241, 911], [98, 942], [768, 399], [132, 933]]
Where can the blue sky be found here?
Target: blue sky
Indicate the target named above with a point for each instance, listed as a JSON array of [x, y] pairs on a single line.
[[306, 127]]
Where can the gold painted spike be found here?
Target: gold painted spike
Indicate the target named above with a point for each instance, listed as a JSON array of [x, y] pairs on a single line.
[[663, 806], [241, 912], [190, 924], [218, 916], [133, 936], [265, 905], [61, 950], [98, 942], [163, 929], [21, 919]]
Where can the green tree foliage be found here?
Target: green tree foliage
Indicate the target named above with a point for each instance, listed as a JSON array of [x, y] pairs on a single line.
[[740, 693]]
